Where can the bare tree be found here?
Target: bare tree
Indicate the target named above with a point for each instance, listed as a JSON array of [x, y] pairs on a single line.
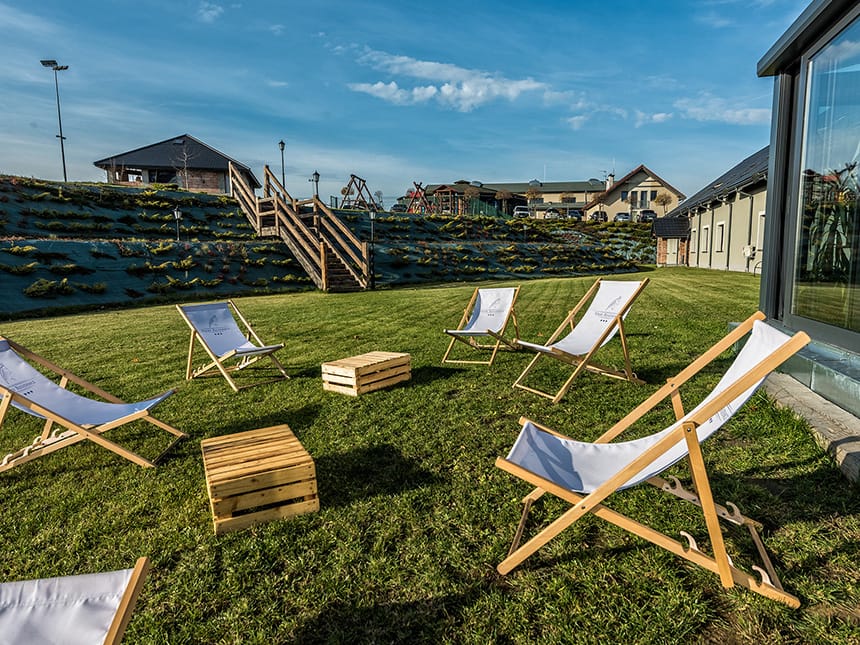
[[471, 193], [663, 199], [181, 161], [378, 197]]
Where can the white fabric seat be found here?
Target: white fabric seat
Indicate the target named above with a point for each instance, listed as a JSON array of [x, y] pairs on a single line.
[[71, 610], [609, 304], [486, 315], [586, 473], [79, 417], [214, 326]]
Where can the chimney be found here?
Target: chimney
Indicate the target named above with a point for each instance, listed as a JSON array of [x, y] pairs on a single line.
[[610, 179]]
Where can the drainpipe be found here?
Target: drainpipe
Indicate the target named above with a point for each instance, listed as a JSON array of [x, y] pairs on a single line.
[[729, 234], [749, 225], [699, 239], [711, 240]]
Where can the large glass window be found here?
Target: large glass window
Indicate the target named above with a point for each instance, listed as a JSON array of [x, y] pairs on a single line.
[[827, 269]]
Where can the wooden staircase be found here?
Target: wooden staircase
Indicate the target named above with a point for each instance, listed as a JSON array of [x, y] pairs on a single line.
[[329, 252]]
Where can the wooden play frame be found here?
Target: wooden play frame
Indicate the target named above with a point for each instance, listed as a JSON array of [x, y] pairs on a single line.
[[217, 363], [769, 585], [585, 362], [475, 344], [48, 441]]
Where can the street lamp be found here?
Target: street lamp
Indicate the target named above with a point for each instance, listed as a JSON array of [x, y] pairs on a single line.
[[372, 251], [177, 215], [315, 178], [52, 64], [282, 145]]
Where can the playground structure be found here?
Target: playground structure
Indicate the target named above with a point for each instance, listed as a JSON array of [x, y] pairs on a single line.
[[363, 200], [418, 202]]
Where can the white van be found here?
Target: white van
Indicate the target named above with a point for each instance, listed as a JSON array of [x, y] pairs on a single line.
[[521, 211]]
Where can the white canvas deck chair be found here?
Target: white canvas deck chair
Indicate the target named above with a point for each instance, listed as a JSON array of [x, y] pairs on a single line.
[[486, 316], [215, 328], [586, 474], [69, 417], [610, 303], [72, 610]]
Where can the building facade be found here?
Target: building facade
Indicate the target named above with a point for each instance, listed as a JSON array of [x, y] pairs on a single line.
[[811, 274], [183, 160], [727, 218]]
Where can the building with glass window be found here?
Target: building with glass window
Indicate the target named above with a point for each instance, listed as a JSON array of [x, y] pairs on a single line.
[[811, 273]]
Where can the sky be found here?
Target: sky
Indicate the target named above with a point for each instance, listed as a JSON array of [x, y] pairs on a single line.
[[394, 91]]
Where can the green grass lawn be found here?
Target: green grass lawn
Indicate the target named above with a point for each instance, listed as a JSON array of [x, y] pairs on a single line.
[[414, 516]]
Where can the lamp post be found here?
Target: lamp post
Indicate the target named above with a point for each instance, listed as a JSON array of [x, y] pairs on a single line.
[[315, 178], [177, 215], [372, 251], [52, 64], [282, 145]]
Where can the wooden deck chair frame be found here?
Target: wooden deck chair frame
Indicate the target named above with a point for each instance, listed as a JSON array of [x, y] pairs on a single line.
[[218, 364], [68, 433], [585, 362], [475, 344], [769, 584], [122, 617]]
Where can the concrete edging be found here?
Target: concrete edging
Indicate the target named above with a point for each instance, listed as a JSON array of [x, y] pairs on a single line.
[[834, 429]]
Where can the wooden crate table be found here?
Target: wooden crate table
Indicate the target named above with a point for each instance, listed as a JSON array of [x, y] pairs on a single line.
[[366, 373], [257, 476]]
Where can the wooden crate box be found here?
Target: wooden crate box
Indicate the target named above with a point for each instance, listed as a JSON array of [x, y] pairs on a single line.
[[257, 476], [366, 373]]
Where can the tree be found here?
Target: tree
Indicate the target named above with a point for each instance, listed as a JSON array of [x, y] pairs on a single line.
[[532, 194], [378, 196], [181, 160], [504, 196], [471, 193], [663, 199]]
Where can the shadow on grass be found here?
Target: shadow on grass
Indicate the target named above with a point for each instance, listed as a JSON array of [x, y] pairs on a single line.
[[367, 472], [430, 620], [430, 373]]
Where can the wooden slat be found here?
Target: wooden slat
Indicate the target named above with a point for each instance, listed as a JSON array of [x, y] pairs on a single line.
[[225, 525], [264, 497]]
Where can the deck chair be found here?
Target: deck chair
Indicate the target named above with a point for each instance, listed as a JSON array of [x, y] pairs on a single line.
[[77, 417], [486, 316], [215, 328], [586, 474], [610, 304], [84, 609]]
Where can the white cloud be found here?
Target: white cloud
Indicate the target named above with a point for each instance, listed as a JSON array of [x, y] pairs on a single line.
[[711, 108], [271, 83], [457, 87], [277, 30], [208, 12], [658, 117], [576, 122]]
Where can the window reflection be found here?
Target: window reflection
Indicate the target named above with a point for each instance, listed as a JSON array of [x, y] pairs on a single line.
[[827, 273]]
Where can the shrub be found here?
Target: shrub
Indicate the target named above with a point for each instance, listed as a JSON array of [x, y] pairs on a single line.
[[42, 288]]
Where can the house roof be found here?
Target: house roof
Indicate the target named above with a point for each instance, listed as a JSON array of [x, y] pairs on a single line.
[[619, 184], [671, 227], [171, 152], [750, 171], [522, 186]]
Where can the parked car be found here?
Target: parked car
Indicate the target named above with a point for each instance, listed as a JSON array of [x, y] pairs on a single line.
[[599, 216], [551, 213], [521, 211], [574, 214], [621, 217], [398, 208], [647, 216]]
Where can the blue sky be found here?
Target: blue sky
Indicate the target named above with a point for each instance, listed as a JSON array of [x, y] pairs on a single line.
[[395, 92]]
